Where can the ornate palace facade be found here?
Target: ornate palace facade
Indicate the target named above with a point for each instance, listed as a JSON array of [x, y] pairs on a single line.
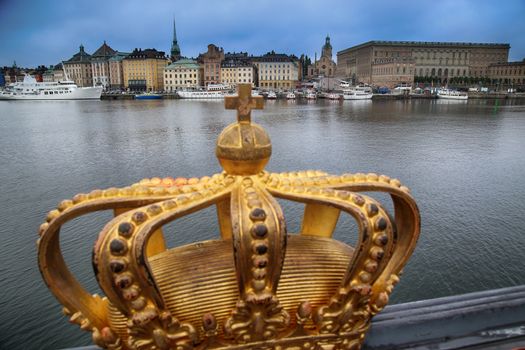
[[387, 63]]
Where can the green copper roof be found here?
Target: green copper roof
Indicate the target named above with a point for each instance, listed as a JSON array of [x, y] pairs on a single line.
[[184, 63], [119, 56]]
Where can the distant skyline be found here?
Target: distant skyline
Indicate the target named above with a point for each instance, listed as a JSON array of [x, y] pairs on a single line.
[[41, 32]]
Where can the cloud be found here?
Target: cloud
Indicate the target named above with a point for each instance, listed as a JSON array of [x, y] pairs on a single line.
[[39, 32]]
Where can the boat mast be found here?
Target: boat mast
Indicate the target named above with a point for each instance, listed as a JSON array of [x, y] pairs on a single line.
[[64, 69]]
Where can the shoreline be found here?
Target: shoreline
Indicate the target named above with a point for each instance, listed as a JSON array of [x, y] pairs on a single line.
[[471, 95]]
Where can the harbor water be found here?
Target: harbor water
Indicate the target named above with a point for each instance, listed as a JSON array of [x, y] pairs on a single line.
[[463, 161]]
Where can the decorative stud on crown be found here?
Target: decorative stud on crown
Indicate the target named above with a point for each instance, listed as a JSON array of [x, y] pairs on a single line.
[[255, 287]]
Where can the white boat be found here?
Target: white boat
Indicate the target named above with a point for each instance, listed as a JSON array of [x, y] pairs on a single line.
[[356, 94], [213, 91], [30, 89], [290, 96], [200, 94], [271, 95], [148, 96], [333, 96], [451, 94], [402, 89], [310, 95]]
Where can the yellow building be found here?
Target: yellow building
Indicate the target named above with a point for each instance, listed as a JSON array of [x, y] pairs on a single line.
[[143, 70], [277, 71], [182, 74], [237, 68]]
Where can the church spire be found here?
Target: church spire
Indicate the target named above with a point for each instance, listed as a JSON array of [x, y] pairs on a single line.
[[175, 49]]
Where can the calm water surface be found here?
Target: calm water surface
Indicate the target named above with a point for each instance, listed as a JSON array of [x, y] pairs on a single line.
[[465, 164]]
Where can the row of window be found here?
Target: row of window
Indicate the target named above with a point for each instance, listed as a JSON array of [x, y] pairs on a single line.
[[179, 82], [270, 65], [228, 74], [276, 85], [236, 68], [236, 80], [183, 70], [287, 77], [434, 54], [181, 75], [510, 72]]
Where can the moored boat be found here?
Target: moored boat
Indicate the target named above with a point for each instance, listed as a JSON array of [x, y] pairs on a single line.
[[148, 96], [290, 96], [451, 94], [213, 91], [271, 95], [333, 96], [30, 89], [311, 95], [355, 94]]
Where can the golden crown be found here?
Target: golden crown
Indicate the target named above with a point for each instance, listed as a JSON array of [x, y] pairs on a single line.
[[256, 286]]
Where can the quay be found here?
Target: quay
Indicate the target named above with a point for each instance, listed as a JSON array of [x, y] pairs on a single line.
[[471, 95]]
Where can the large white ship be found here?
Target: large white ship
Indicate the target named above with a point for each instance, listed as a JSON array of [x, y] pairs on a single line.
[[30, 89]]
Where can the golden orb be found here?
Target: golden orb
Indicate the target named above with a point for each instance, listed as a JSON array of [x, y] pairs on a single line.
[[243, 148]]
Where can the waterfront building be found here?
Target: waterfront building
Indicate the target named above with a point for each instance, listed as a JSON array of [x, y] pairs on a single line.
[[183, 74], [116, 73], [237, 68], [58, 72], [325, 66], [48, 76], [508, 73], [211, 61], [78, 68], [175, 49], [393, 62], [100, 65], [143, 70], [276, 71]]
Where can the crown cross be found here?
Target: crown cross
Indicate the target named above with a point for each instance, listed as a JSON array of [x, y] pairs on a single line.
[[253, 287], [244, 102]]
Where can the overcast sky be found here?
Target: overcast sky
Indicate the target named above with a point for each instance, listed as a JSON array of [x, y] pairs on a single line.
[[46, 32]]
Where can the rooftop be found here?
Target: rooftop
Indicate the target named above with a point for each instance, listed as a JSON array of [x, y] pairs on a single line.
[[425, 43], [146, 54], [184, 63], [104, 51], [80, 57]]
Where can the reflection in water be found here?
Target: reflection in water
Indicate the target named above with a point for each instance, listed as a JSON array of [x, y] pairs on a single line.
[[462, 161]]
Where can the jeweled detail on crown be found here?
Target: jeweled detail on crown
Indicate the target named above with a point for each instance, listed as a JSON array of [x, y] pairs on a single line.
[[256, 286]]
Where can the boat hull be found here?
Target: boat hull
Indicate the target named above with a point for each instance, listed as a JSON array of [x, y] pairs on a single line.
[[452, 97], [88, 93], [358, 97], [148, 97], [201, 95]]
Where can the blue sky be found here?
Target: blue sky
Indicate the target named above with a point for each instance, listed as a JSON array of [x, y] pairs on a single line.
[[46, 32]]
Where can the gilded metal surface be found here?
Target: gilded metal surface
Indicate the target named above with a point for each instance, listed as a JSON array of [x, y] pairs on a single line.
[[254, 287]]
